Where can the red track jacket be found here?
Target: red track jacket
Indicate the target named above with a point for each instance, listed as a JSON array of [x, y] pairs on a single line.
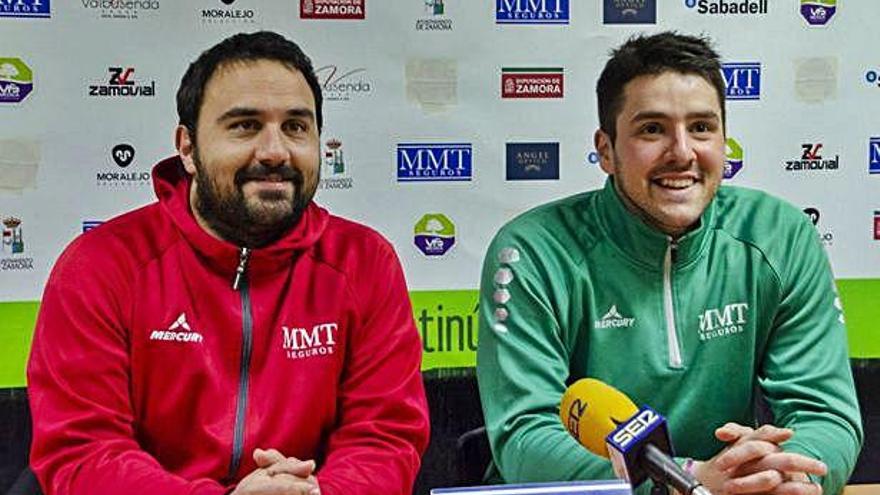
[[151, 374]]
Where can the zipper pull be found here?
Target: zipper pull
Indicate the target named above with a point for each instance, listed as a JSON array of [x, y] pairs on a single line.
[[673, 249], [242, 266]]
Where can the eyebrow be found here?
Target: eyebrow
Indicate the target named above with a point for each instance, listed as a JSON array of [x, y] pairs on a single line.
[[238, 112], [652, 115]]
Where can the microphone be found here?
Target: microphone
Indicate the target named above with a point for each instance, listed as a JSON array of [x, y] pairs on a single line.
[[607, 423]]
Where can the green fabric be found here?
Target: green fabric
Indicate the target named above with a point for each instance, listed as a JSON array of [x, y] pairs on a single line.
[[575, 289]]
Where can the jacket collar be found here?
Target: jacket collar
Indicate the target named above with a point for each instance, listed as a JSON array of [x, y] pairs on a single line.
[[643, 243], [171, 184]]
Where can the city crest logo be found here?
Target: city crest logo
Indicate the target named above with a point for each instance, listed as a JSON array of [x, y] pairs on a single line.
[[435, 17], [334, 174], [12, 247]]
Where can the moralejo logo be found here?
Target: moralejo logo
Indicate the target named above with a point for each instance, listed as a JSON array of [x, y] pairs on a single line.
[[228, 15], [123, 154], [818, 12], [178, 331], [301, 342], [434, 234], [332, 9], [811, 159], [16, 80], [122, 83], [722, 322], [532, 82], [733, 162], [25, 8], [613, 319], [531, 12]]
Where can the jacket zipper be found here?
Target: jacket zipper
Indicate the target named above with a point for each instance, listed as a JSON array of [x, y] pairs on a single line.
[[669, 307], [240, 283]]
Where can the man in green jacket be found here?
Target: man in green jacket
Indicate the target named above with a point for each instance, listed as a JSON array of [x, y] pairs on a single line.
[[682, 294]]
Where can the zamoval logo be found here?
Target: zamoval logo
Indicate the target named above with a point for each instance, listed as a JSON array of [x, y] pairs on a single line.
[[728, 320], [122, 84], [532, 82], [811, 159], [301, 342]]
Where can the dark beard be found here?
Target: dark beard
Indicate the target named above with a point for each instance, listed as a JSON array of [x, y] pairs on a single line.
[[229, 215]]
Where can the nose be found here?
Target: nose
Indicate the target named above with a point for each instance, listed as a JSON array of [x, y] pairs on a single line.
[[681, 149], [271, 149]]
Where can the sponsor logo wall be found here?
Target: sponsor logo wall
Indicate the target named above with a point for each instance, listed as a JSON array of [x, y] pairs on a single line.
[[443, 120]]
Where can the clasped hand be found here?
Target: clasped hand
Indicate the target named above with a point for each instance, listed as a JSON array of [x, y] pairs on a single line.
[[754, 463], [279, 475]]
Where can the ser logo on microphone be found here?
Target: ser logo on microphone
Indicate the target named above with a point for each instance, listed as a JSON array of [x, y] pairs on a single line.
[[574, 417], [634, 428]]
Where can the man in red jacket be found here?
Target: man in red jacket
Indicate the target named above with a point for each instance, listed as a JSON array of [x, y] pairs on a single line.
[[232, 337]]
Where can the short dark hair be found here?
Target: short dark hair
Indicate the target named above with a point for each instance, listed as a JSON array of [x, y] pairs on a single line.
[[652, 55], [242, 47]]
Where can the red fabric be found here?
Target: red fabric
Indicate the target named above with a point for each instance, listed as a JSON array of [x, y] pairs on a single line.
[[118, 410]]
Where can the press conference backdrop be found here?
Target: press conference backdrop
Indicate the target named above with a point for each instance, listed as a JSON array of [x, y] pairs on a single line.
[[443, 120]]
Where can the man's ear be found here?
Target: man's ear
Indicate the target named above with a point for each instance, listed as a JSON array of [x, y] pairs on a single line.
[[185, 148], [605, 149]]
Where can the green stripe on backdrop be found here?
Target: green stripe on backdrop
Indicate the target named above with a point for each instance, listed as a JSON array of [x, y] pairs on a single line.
[[447, 323], [861, 307], [16, 328]]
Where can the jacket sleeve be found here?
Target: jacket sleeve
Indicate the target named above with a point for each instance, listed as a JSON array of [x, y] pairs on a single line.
[[806, 374], [522, 368], [78, 373], [382, 420]]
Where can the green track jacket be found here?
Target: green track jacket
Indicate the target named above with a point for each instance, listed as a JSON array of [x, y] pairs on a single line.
[[582, 288]]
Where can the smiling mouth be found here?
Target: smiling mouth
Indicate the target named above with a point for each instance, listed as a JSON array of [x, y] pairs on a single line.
[[675, 183]]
